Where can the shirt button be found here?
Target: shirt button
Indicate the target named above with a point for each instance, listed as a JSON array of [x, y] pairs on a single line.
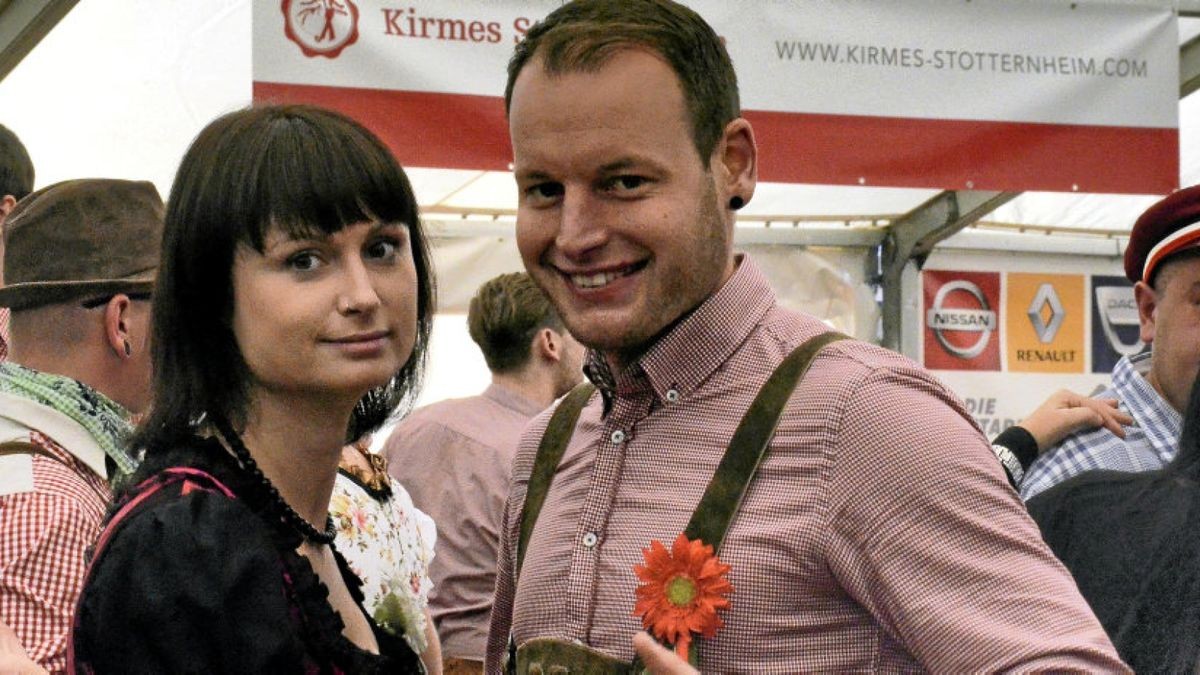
[[589, 539], [618, 437], [672, 395]]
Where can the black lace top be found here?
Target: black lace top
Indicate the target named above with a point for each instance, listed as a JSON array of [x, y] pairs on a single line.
[[197, 582]]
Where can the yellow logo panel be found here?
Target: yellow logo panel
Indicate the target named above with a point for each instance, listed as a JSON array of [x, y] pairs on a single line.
[[1045, 316]]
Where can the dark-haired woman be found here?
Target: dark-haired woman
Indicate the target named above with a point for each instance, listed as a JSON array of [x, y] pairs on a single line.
[[291, 313]]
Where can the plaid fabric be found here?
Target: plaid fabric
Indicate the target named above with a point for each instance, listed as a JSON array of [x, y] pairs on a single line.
[[1150, 444], [879, 535], [106, 421], [51, 509]]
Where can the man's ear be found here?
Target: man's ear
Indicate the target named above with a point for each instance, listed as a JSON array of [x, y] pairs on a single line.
[[7, 202], [116, 325], [549, 345], [736, 161], [1147, 303]]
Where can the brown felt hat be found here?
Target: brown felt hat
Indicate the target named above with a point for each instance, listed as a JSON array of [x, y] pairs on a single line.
[[79, 238]]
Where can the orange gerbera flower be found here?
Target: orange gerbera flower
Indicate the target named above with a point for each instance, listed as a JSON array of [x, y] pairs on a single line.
[[681, 592]]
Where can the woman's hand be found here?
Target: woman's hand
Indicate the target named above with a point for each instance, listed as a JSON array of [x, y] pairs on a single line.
[[1066, 412], [658, 659], [13, 659]]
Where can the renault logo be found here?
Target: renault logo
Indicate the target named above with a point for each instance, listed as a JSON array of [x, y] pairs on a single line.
[[1046, 297]]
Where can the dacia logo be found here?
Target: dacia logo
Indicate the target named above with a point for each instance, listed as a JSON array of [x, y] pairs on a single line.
[[1117, 309]]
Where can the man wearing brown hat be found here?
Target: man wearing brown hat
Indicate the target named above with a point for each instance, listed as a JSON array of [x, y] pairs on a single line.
[[79, 261], [1163, 262]]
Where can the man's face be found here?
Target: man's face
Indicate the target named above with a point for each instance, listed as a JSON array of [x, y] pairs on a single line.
[[1170, 318], [619, 221]]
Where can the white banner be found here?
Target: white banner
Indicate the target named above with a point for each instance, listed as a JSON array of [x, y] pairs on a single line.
[[989, 94]]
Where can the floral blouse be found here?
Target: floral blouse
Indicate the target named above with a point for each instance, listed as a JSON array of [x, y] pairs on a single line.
[[388, 543]]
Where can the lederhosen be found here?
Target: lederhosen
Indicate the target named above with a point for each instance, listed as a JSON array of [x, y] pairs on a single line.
[[709, 522]]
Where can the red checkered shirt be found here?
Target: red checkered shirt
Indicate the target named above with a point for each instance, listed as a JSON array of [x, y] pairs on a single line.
[[879, 534], [51, 509]]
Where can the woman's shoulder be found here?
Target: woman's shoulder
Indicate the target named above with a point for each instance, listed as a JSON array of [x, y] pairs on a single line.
[[186, 513], [180, 555]]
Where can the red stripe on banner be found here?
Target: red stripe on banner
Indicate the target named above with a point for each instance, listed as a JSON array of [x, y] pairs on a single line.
[[447, 131], [470, 132], [960, 154]]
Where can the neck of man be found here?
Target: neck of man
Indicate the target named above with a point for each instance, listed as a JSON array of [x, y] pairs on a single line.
[[530, 383], [82, 366], [1152, 379], [297, 442]]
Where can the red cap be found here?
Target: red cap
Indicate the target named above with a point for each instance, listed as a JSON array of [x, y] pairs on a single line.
[[1168, 227]]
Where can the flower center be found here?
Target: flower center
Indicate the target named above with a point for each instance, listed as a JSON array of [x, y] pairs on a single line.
[[681, 591]]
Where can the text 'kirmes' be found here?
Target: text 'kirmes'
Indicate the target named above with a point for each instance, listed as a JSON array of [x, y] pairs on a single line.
[[407, 23]]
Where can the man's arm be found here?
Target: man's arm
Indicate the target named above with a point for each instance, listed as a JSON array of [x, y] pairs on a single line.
[[43, 540], [503, 600], [926, 534], [13, 659]]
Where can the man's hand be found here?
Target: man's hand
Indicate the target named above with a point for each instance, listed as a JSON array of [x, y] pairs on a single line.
[[658, 659], [13, 659], [1066, 412]]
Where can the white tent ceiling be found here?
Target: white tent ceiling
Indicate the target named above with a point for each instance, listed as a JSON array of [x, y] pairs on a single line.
[[120, 87]]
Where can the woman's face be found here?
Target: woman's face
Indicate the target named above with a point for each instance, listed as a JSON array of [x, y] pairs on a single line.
[[328, 316]]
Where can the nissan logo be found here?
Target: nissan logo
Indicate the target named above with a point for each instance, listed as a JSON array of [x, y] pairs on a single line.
[[942, 320]]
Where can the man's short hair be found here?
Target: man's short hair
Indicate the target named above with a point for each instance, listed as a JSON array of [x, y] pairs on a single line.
[[582, 35], [16, 169], [503, 317]]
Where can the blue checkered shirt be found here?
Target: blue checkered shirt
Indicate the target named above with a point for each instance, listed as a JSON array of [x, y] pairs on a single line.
[[1150, 444]]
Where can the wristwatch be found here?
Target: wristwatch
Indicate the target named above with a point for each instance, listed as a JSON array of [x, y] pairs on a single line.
[[1011, 464]]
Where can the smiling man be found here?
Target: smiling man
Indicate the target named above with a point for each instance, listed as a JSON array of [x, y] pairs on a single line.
[[876, 532]]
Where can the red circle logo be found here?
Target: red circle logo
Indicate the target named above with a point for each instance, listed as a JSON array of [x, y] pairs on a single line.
[[321, 27]]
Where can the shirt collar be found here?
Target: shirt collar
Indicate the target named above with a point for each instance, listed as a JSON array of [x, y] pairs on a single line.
[[698, 344], [1159, 421], [19, 416]]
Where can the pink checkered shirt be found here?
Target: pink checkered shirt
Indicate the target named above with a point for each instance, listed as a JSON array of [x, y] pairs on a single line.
[[879, 535], [50, 512]]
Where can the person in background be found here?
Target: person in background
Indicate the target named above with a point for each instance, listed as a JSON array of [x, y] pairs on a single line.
[[456, 455], [1131, 540], [1063, 413], [389, 544], [16, 171], [16, 181], [79, 263], [854, 520], [292, 312], [1162, 260]]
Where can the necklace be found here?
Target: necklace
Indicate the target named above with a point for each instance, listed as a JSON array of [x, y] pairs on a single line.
[[287, 513]]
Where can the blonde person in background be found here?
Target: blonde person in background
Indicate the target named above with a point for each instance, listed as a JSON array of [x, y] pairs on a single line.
[[389, 544], [456, 456]]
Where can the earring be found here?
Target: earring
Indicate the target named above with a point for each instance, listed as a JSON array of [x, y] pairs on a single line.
[[128, 349], [736, 202]]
